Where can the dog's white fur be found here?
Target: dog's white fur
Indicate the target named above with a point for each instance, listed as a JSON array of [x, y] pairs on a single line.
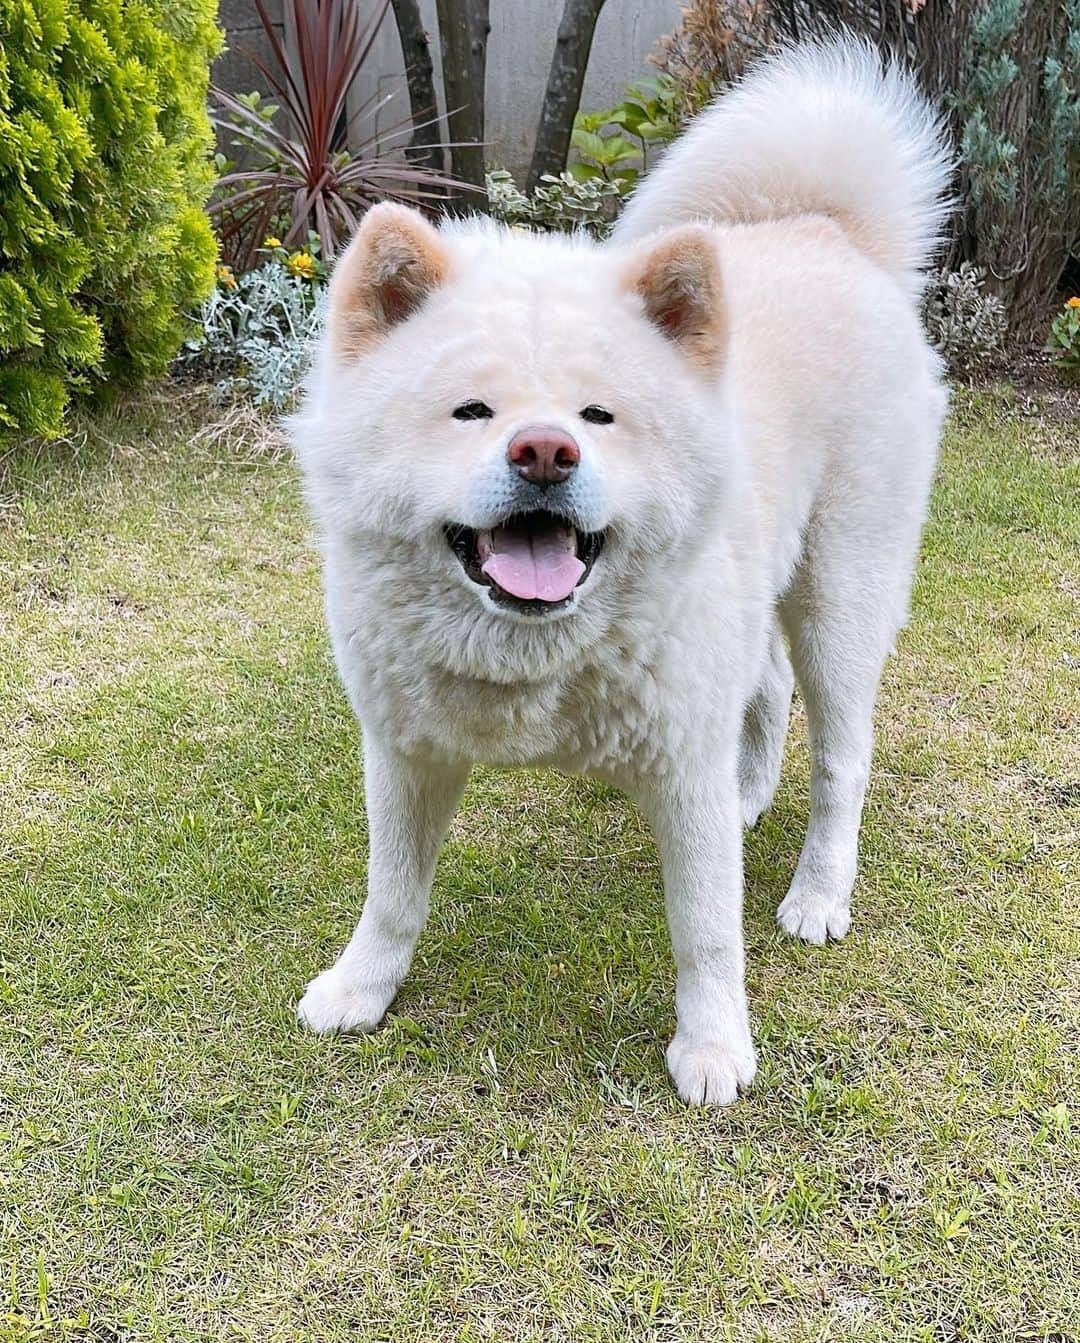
[[777, 413]]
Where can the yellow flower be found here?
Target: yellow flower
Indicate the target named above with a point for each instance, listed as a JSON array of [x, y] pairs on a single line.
[[302, 264], [226, 277], [1073, 302], [272, 243]]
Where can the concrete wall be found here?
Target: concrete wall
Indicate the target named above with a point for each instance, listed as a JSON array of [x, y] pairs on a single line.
[[233, 69], [519, 54]]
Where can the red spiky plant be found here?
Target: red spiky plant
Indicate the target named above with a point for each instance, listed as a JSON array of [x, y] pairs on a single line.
[[310, 171]]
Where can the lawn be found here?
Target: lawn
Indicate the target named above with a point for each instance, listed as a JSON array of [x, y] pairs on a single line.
[[182, 846]]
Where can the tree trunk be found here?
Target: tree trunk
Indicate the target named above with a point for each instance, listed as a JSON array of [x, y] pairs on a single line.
[[424, 149], [463, 28], [563, 92]]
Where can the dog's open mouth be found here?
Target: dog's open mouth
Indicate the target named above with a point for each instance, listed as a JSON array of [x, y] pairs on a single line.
[[531, 561]]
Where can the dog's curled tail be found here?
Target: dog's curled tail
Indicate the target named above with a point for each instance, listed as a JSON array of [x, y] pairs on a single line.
[[821, 128]]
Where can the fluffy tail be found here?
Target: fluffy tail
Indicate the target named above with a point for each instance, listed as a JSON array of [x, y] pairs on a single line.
[[821, 128]]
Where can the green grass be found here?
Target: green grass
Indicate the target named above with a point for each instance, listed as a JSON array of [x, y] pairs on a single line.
[[182, 846]]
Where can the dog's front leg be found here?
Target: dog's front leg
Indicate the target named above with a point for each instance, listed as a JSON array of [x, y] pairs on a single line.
[[409, 808], [695, 811]]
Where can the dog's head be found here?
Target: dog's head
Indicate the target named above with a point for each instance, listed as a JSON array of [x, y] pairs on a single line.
[[520, 431]]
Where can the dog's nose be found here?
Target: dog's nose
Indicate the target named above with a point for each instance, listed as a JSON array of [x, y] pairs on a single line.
[[543, 455]]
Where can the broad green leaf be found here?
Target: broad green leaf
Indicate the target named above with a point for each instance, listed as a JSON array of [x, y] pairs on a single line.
[[588, 143], [617, 149], [584, 172]]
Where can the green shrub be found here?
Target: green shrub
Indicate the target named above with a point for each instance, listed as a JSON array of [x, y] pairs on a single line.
[[1016, 108], [104, 245]]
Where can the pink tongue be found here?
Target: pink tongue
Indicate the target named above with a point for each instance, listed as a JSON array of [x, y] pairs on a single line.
[[532, 566]]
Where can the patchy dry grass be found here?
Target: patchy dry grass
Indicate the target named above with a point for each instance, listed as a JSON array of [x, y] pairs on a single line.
[[182, 846]]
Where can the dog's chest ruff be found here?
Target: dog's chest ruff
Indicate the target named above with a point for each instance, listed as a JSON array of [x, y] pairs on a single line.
[[601, 718]]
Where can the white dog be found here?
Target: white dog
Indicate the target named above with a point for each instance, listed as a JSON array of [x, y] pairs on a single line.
[[569, 495]]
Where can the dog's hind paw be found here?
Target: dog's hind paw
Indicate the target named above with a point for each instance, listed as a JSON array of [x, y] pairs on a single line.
[[710, 1074], [330, 1004], [755, 803], [757, 785], [813, 917]]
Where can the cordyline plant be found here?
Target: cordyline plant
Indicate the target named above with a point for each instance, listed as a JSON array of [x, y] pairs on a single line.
[[310, 174]]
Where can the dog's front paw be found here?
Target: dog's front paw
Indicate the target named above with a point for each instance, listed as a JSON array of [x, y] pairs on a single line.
[[332, 1004], [813, 915], [711, 1073]]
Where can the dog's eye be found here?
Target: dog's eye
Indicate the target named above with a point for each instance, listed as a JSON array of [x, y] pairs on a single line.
[[473, 410], [597, 415]]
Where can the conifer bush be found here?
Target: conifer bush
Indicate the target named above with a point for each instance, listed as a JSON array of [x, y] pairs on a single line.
[[104, 169]]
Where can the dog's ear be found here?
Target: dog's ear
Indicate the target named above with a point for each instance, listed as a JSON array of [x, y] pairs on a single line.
[[677, 277], [396, 259]]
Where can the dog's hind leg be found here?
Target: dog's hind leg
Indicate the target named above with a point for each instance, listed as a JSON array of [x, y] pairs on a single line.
[[764, 730], [409, 809], [841, 613]]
